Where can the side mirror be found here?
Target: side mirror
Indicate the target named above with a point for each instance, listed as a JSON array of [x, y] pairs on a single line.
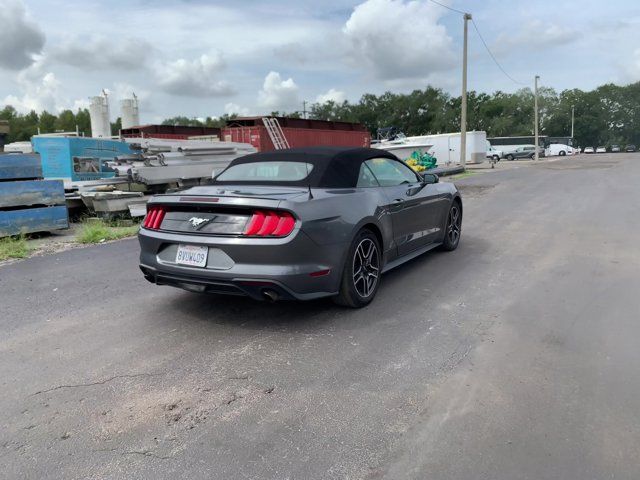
[[428, 178]]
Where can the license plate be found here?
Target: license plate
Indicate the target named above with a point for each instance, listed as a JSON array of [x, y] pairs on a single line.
[[192, 255]]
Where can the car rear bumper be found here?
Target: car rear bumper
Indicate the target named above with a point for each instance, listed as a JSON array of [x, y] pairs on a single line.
[[294, 268]]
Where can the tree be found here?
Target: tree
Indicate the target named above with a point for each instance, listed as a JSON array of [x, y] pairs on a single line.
[[116, 127], [606, 115], [66, 121], [183, 121], [47, 122], [83, 121], [219, 122], [8, 113]]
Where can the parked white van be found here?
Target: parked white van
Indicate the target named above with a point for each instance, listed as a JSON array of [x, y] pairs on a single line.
[[558, 149]]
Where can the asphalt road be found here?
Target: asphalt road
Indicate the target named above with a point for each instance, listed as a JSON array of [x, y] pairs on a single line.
[[514, 357]]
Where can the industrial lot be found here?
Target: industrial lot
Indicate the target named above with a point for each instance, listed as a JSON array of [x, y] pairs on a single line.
[[520, 347], [402, 279]]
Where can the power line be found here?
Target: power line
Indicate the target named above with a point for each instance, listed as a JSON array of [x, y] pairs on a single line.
[[482, 39], [447, 7], [493, 57]]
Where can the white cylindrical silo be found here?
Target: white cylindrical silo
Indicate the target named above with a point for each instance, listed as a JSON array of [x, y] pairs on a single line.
[[99, 113], [129, 112]]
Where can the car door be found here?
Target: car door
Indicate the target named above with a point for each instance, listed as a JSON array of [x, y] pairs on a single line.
[[413, 206]]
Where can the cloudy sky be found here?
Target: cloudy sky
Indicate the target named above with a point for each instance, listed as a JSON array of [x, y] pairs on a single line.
[[204, 58]]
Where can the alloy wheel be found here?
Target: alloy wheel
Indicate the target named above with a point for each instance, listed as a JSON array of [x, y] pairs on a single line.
[[366, 268], [454, 224]]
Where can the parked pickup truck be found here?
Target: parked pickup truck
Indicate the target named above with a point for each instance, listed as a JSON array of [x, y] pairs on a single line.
[[494, 154]]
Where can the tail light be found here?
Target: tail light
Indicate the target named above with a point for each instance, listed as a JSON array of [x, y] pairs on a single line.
[[154, 218], [270, 224]]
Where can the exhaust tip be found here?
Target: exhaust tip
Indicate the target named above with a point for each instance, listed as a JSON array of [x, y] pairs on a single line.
[[270, 295]]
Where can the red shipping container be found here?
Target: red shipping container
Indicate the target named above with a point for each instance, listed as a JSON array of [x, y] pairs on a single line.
[[298, 132], [168, 132]]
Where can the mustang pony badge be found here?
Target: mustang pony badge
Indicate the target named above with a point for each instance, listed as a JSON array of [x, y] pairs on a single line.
[[197, 222]]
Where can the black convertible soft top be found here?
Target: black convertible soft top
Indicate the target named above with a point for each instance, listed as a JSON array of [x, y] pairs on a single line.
[[333, 167]]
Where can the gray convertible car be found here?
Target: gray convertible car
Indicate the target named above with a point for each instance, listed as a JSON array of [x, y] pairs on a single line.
[[299, 224]]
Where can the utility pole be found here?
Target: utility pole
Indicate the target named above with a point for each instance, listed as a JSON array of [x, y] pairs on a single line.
[[463, 113], [535, 107], [304, 109], [572, 119]]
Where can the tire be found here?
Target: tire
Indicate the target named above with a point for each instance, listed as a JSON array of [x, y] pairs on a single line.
[[509, 157], [562, 153], [496, 158], [358, 290], [532, 156], [453, 229]]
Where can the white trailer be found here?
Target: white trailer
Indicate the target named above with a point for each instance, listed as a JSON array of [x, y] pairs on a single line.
[[446, 147]]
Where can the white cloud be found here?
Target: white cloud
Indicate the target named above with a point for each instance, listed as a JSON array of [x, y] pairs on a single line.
[[534, 35], [80, 104], [20, 37], [232, 108], [279, 94], [399, 39], [40, 90], [194, 78], [125, 90], [332, 95], [396, 45], [101, 52]]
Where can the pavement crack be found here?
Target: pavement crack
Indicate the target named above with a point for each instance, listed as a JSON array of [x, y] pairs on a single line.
[[101, 382], [233, 398], [146, 453]]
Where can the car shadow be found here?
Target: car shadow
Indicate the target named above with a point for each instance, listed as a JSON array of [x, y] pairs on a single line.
[[426, 272], [244, 312]]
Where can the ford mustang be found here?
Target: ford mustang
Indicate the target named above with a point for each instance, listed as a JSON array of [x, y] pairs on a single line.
[[299, 224]]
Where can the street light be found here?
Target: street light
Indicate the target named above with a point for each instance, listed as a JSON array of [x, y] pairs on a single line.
[[535, 107]]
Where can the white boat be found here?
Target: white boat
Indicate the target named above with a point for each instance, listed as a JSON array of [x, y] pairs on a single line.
[[18, 147], [445, 146], [403, 147]]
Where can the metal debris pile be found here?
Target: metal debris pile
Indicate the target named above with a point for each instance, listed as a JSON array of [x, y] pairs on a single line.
[[184, 162]]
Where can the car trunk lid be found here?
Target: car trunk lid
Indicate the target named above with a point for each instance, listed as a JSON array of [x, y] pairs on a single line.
[[219, 210]]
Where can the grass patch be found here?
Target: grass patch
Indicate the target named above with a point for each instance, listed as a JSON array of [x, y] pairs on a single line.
[[13, 247], [98, 231], [460, 176]]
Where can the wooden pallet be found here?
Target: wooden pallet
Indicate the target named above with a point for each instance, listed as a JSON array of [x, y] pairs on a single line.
[[28, 203]]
